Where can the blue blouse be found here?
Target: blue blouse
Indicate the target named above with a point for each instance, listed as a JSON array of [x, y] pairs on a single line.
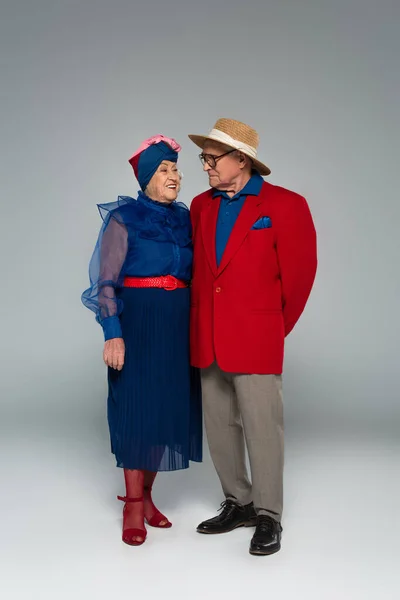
[[138, 238]]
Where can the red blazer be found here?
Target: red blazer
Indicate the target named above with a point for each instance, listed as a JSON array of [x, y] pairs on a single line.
[[242, 310]]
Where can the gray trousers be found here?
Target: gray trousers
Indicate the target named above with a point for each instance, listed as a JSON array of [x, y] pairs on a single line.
[[237, 404]]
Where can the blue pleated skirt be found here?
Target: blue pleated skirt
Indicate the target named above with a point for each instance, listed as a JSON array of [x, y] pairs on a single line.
[[154, 403]]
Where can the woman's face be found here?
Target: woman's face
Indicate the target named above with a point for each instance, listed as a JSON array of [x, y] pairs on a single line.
[[164, 186]]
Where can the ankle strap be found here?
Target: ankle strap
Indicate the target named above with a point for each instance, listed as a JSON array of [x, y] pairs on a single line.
[[126, 499]]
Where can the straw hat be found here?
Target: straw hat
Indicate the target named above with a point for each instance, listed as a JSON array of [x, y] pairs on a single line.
[[236, 135]]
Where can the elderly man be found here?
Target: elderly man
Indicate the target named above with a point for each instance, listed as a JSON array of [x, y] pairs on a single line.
[[254, 266]]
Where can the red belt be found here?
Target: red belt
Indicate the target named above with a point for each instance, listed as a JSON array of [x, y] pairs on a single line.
[[168, 282]]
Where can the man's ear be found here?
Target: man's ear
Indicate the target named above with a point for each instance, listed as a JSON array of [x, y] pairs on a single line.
[[242, 160]]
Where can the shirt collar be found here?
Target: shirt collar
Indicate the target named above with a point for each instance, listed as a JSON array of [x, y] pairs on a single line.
[[160, 206], [252, 188]]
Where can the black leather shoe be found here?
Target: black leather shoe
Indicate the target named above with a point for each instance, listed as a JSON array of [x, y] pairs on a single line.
[[232, 516], [267, 536]]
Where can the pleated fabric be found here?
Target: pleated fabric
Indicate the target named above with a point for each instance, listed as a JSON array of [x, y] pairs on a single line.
[[154, 403]]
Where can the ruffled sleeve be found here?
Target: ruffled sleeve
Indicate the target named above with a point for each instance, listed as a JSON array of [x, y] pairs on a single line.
[[106, 272]]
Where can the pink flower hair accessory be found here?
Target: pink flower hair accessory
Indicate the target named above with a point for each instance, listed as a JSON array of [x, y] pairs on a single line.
[[156, 139]]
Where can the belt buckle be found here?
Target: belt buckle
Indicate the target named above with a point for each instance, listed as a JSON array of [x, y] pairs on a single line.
[[172, 286]]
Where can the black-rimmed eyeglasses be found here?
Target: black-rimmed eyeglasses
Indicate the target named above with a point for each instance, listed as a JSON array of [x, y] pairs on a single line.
[[211, 159]]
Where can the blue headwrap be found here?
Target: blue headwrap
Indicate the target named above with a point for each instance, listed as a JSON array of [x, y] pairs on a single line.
[[150, 159]]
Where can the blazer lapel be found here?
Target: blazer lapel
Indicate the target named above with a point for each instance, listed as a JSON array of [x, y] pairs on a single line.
[[250, 212], [208, 218]]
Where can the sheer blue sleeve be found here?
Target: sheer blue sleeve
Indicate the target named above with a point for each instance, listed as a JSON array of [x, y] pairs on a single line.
[[106, 274]]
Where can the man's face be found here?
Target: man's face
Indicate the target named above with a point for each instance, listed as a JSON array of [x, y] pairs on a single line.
[[226, 169]]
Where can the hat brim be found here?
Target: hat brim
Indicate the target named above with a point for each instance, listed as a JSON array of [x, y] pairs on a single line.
[[200, 141]]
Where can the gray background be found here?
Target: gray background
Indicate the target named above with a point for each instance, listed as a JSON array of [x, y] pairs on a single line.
[[82, 83]]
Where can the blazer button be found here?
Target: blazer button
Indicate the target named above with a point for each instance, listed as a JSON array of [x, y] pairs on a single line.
[[218, 289]]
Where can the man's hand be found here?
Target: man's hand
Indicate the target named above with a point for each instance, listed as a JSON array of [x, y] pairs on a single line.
[[114, 353]]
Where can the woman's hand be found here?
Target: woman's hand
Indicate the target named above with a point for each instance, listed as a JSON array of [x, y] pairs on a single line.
[[114, 353]]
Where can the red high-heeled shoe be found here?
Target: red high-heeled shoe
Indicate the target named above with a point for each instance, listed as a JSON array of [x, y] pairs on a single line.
[[128, 533], [157, 517]]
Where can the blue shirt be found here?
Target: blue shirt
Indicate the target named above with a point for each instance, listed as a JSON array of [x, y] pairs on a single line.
[[229, 210], [138, 238]]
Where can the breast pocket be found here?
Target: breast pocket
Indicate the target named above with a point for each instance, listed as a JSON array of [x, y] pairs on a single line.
[[261, 254], [262, 237]]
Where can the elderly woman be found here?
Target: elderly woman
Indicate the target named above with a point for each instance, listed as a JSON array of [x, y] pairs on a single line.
[[140, 273]]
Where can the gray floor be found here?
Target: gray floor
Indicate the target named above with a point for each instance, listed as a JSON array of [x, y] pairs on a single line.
[[61, 523]]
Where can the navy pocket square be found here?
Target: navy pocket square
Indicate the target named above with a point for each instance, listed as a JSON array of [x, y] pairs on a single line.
[[262, 223]]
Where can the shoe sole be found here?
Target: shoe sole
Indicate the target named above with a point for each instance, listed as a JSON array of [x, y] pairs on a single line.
[[260, 553], [247, 524]]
